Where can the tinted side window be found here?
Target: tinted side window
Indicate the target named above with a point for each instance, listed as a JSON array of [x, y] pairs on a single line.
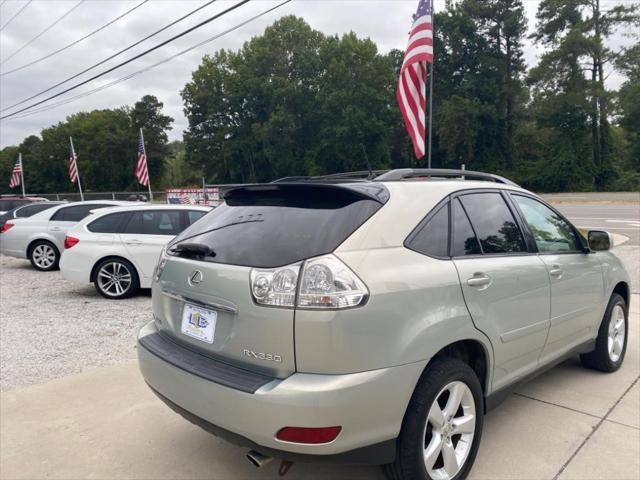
[[550, 231], [195, 215], [158, 222], [493, 222], [109, 223], [6, 205], [75, 213], [433, 237], [464, 241], [29, 210]]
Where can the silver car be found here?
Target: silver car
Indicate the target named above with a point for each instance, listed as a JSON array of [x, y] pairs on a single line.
[[375, 321], [40, 238]]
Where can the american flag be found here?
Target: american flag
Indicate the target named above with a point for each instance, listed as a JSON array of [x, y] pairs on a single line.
[[16, 173], [413, 77], [142, 172], [73, 163]]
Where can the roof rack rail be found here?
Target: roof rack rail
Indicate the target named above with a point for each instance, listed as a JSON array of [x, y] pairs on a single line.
[[363, 175], [408, 173]]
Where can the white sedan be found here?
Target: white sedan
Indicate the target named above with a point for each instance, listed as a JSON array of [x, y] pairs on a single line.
[[117, 249]]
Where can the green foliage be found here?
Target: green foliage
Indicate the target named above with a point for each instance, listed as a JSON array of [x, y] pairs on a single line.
[[106, 143], [291, 102]]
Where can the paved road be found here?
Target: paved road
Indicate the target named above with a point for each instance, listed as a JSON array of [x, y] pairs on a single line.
[[617, 218]]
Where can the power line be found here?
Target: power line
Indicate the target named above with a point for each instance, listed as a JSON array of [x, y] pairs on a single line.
[[109, 58], [14, 17], [150, 67], [75, 42], [42, 32]]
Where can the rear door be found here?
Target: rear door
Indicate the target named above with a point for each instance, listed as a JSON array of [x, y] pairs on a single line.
[[577, 288], [506, 287], [146, 233], [258, 228]]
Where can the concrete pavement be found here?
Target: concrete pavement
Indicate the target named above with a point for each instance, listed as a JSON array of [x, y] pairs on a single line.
[[569, 423]]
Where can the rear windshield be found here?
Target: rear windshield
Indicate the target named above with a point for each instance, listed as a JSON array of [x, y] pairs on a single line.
[[280, 226]]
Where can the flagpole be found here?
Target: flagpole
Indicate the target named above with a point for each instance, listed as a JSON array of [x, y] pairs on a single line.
[[433, 14], [21, 174], [73, 150], [148, 171]]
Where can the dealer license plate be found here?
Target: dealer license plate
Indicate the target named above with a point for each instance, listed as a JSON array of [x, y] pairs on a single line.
[[199, 323]]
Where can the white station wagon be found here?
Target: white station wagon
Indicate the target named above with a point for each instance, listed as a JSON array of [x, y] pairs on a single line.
[[116, 249]]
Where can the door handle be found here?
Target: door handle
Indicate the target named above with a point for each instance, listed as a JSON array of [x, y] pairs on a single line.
[[479, 280], [55, 229], [133, 242], [556, 271]]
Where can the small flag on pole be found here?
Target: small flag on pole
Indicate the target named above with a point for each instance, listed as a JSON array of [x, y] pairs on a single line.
[[16, 173], [73, 164], [413, 77], [142, 172], [74, 174]]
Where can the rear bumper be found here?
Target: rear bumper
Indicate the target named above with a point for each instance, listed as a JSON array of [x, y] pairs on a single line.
[[74, 271], [369, 406]]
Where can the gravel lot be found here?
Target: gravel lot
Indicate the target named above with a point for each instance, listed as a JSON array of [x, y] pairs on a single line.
[[51, 328]]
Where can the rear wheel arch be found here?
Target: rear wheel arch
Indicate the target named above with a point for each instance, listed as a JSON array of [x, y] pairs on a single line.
[[32, 244], [97, 263], [472, 352]]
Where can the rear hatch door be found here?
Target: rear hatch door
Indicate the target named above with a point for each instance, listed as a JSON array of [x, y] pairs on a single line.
[[261, 227]]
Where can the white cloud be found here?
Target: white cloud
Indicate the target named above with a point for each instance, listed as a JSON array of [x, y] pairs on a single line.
[[384, 21]]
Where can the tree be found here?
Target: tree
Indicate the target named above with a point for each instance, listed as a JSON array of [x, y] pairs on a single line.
[[576, 31], [291, 102], [147, 115]]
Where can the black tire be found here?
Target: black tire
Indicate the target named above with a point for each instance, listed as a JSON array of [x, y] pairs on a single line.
[[601, 358], [415, 435], [118, 269], [44, 256]]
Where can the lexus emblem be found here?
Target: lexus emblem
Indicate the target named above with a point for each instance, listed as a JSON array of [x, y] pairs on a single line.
[[195, 277]]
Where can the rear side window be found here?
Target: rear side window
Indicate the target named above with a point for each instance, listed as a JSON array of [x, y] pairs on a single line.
[[194, 215], [75, 213], [432, 238], [6, 205], [280, 225], [493, 223], [111, 223], [464, 241], [32, 209], [154, 222]]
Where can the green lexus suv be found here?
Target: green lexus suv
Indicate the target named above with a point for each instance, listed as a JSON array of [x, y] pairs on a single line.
[[375, 320]]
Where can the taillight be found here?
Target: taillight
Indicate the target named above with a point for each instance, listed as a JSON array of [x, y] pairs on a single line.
[[70, 241], [275, 287], [322, 282], [308, 435], [6, 227]]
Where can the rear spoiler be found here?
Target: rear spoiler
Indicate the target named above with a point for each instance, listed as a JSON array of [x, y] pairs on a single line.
[[367, 191]]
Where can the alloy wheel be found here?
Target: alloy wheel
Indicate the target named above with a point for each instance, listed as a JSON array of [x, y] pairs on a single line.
[[617, 331], [114, 279], [449, 431], [44, 256]]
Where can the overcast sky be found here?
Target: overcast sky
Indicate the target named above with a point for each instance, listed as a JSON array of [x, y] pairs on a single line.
[[384, 21]]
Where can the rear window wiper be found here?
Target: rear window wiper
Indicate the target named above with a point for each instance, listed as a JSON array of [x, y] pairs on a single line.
[[192, 250]]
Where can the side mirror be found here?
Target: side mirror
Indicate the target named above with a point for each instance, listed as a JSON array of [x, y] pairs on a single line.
[[599, 240]]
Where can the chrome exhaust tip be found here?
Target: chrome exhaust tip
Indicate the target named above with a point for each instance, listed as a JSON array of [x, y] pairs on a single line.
[[257, 459]]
